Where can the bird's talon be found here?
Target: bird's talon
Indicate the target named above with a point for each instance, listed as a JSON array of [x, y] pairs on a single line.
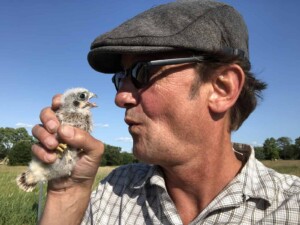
[[59, 155], [61, 147]]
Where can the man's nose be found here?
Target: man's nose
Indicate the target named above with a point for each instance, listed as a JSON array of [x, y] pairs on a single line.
[[127, 94]]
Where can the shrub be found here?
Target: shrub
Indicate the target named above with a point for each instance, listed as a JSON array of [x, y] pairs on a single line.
[[20, 153]]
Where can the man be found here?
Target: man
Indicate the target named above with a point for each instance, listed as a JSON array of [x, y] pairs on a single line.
[[182, 75]]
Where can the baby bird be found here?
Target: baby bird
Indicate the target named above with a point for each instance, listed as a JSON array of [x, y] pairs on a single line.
[[74, 111]]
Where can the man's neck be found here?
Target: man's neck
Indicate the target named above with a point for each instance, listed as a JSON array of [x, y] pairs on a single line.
[[192, 186]]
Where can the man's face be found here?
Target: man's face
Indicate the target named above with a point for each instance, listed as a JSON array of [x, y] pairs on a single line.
[[166, 122]]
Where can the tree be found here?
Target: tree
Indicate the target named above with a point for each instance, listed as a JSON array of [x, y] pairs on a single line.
[[114, 157], [296, 149], [297, 142], [259, 153], [3, 151], [127, 158], [20, 154], [111, 156], [9, 137], [285, 147], [271, 149]]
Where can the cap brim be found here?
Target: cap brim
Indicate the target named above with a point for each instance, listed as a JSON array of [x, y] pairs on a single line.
[[107, 59]]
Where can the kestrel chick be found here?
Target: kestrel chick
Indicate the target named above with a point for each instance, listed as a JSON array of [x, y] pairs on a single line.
[[74, 111]]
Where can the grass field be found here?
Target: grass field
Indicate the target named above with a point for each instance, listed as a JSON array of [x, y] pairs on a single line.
[[20, 208], [285, 166]]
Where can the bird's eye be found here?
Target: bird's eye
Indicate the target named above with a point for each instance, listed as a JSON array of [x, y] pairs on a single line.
[[82, 96]]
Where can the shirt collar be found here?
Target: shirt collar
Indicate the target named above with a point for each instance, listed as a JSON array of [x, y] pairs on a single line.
[[154, 176], [255, 177], [254, 180]]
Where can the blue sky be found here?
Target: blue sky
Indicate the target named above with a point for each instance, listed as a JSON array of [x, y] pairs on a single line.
[[44, 45]]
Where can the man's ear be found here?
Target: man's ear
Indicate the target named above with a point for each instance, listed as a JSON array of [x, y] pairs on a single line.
[[227, 84]]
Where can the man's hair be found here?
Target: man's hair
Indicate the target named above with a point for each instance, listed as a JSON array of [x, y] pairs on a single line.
[[250, 93]]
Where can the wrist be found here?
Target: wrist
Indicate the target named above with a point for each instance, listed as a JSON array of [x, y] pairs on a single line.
[[66, 206]]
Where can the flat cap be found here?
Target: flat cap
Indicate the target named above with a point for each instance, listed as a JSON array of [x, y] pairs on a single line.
[[194, 25]]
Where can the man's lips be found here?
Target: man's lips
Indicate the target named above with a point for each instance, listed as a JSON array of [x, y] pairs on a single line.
[[131, 122]]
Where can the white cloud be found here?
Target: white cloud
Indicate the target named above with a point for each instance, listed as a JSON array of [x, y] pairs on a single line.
[[24, 125], [105, 125], [124, 139]]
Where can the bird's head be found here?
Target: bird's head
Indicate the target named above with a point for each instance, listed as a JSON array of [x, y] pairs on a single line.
[[77, 100]]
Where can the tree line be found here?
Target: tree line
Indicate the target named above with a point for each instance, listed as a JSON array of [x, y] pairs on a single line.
[[15, 149], [282, 148]]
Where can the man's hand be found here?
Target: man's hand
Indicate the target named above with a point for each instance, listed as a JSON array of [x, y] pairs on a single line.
[[75, 190]]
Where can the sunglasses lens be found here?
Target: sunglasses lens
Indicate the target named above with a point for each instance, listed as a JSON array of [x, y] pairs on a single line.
[[117, 79], [140, 75]]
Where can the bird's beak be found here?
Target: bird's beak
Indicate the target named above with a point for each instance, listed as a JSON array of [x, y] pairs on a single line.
[[91, 104]]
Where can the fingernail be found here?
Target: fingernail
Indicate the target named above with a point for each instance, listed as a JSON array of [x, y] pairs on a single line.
[[67, 131], [51, 125], [50, 142]]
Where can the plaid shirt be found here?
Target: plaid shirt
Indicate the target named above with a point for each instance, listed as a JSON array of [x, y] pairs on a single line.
[[136, 194]]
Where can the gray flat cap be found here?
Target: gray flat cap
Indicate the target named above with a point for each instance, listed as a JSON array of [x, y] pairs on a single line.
[[197, 25]]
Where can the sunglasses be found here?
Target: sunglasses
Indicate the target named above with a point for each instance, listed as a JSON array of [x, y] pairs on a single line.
[[139, 73]]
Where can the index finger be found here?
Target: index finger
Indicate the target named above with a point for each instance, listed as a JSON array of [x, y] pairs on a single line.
[[49, 120], [56, 102], [48, 117]]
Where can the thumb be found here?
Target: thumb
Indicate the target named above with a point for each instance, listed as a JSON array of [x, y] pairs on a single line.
[[81, 139]]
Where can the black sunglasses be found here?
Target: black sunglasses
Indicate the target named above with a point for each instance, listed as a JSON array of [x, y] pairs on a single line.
[[139, 72]]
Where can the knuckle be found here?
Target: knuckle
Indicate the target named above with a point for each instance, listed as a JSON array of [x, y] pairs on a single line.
[[86, 141], [36, 150], [99, 144], [97, 149], [42, 154], [56, 101], [50, 142], [36, 130], [81, 136], [56, 98], [47, 139], [44, 112], [94, 144], [47, 114], [49, 119]]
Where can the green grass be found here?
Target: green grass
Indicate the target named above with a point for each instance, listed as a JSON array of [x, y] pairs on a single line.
[[20, 208], [284, 166]]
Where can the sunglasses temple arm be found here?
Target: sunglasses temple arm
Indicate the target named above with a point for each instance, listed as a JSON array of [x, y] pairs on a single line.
[[176, 61]]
